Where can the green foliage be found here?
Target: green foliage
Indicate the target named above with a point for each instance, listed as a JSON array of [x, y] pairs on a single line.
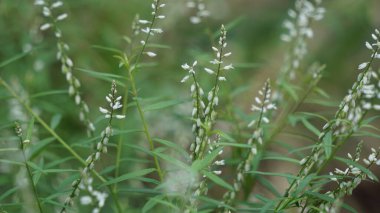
[[171, 150]]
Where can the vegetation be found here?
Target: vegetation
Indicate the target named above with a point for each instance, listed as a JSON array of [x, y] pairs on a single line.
[[104, 110]]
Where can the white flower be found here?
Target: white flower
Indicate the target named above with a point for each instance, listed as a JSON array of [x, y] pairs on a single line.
[[209, 71], [151, 54], [85, 200], [363, 65], [62, 16], [57, 4], [120, 116], [45, 26], [102, 110]]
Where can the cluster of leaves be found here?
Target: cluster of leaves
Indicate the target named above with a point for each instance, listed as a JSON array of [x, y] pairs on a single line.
[[140, 161]]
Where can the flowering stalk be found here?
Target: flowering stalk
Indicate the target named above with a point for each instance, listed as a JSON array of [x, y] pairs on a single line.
[[264, 106], [201, 11], [347, 181], [299, 30], [198, 106], [114, 104], [205, 119], [347, 120], [23, 143], [48, 11], [94, 196], [201, 188], [54, 134]]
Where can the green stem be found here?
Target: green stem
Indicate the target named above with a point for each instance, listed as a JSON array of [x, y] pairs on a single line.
[[281, 123], [30, 176], [57, 137], [121, 137], [130, 69], [145, 125]]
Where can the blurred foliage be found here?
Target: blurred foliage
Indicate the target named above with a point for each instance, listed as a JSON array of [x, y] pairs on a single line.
[[27, 61]]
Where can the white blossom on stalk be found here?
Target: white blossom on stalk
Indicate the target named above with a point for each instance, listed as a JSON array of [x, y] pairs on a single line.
[[53, 17], [114, 104], [200, 11], [94, 197], [263, 105], [146, 26], [298, 31], [347, 180], [101, 147], [362, 97]]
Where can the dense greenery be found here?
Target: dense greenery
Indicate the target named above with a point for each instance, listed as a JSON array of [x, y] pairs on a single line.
[[187, 105]]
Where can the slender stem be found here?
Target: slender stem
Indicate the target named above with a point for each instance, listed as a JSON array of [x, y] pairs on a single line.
[[58, 138], [336, 140], [281, 123], [211, 104], [121, 137], [130, 69], [30, 176], [145, 125]]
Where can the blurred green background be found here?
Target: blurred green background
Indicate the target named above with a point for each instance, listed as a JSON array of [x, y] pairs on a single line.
[[257, 53]]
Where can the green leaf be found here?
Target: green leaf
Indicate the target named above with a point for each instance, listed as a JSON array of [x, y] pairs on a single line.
[[52, 92], [288, 176], [39, 147], [8, 192], [291, 91], [247, 65], [269, 186], [362, 168], [13, 59], [128, 176], [29, 132], [287, 159], [9, 149], [158, 46], [310, 126], [103, 76], [151, 203], [327, 143], [199, 164], [320, 196], [11, 162], [216, 203], [55, 120], [240, 145], [171, 160], [225, 136], [163, 104], [219, 181], [108, 49], [171, 145]]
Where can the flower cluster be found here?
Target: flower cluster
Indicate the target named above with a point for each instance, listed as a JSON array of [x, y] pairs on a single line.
[[299, 30], [147, 27], [355, 105], [348, 179], [201, 188], [49, 10], [204, 115], [97, 197], [101, 147], [200, 10], [263, 106]]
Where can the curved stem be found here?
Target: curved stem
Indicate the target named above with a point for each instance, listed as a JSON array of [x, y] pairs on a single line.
[[58, 138]]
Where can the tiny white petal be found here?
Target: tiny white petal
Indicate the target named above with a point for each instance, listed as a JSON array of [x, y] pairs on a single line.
[[120, 116], [363, 65], [209, 71], [151, 54], [45, 26], [62, 16]]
